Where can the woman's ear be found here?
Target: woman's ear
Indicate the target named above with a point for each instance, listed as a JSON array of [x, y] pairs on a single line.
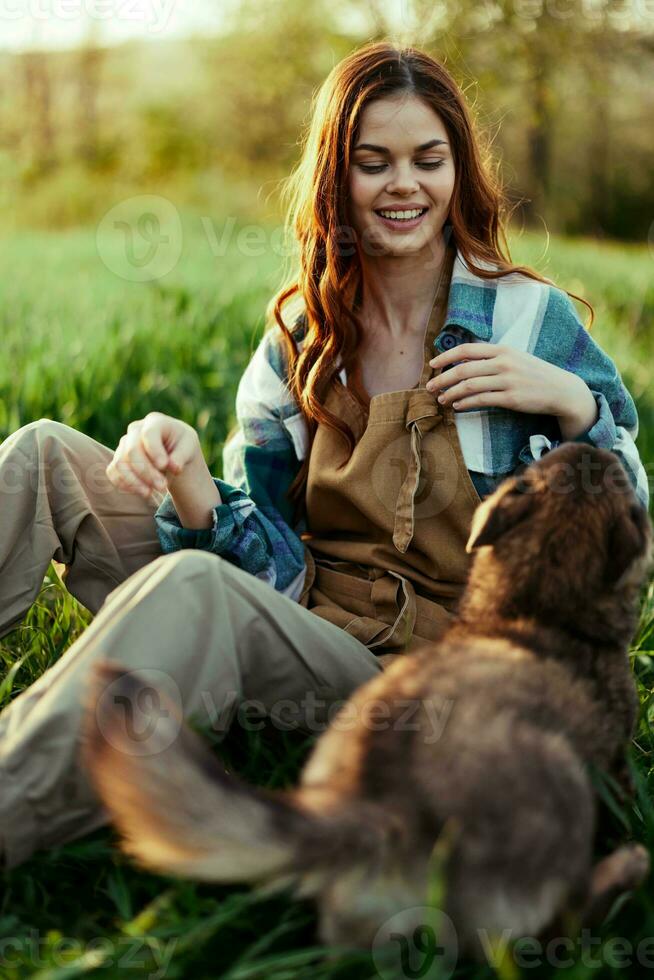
[[499, 514]]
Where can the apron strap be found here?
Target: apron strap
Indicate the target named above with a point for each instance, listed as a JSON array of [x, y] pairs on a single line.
[[385, 594], [423, 414]]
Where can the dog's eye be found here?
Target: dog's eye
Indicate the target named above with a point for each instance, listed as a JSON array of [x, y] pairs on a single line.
[[521, 485]]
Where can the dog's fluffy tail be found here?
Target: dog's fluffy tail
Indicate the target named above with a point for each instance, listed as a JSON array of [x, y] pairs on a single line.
[[177, 811]]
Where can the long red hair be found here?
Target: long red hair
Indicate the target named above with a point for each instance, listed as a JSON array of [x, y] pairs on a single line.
[[315, 195]]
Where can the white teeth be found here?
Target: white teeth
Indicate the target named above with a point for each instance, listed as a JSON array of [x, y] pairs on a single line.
[[403, 215]]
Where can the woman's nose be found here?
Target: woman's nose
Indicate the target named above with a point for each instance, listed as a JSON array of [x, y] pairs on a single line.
[[402, 178]]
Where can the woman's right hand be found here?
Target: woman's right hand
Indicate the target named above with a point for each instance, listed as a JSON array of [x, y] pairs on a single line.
[[153, 448]]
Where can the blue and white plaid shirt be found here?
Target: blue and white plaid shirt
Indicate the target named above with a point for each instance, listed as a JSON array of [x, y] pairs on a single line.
[[253, 527]]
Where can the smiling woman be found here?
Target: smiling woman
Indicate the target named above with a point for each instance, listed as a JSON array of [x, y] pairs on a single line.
[[398, 203], [393, 172], [349, 485]]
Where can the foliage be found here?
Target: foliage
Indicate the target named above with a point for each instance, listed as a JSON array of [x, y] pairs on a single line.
[[234, 105], [95, 351]]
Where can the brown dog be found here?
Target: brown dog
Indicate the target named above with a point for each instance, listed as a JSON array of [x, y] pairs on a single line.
[[531, 684]]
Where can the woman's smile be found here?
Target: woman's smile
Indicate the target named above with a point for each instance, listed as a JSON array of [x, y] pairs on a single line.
[[401, 219]]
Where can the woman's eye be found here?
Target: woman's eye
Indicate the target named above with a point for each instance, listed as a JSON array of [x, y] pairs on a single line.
[[376, 168]]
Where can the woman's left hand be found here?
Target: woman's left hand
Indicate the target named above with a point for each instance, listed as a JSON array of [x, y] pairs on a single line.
[[497, 375]]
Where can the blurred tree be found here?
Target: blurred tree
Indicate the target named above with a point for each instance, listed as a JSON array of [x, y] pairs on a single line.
[[90, 59], [561, 89], [263, 76], [547, 80], [37, 96]]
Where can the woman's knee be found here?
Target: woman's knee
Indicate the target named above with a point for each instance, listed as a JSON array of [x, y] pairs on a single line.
[[66, 454], [170, 576], [187, 563], [44, 428], [21, 454], [36, 439]]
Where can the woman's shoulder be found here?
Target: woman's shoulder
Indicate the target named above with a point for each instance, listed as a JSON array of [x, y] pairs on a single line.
[[273, 348], [465, 270], [510, 308]]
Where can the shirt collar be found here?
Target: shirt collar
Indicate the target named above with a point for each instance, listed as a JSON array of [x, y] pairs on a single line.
[[471, 299]]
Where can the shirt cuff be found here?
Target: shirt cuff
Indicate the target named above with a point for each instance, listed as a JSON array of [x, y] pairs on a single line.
[[227, 519], [603, 433], [537, 446]]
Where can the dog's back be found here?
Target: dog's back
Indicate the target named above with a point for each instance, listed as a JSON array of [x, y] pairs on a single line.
[[486, 744]]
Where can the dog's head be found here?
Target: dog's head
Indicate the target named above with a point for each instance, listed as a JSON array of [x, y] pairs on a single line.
[[563, 538]]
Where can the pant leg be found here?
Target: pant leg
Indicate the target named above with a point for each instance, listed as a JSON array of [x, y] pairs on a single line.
[[210, 635], [56, 501]]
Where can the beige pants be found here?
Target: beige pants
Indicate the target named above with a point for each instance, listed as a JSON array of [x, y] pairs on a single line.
[[218, 636]]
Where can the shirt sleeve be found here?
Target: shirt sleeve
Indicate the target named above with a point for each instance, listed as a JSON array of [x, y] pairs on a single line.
[[253, 526], [567, 343]]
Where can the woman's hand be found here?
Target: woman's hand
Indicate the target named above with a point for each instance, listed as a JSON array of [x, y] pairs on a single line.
[[152, 447], [498, 375]]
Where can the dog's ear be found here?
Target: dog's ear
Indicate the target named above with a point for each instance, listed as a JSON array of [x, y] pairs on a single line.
[[497, 515], [629, 537]]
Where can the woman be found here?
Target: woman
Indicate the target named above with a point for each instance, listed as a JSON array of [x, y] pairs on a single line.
[[423, 368]]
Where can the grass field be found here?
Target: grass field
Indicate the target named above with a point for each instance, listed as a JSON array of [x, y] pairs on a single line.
[[86, 347]]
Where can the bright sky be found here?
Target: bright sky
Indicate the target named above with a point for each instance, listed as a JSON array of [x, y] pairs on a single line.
[[65, 23]]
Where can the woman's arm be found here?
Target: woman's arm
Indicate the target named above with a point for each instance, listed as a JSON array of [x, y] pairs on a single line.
[[194, 494], [247, 517], [580, 413], [568, 376]]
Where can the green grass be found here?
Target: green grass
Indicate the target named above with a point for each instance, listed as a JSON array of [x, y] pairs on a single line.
[[88, 348]]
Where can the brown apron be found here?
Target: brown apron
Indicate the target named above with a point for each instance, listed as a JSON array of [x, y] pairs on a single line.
[[385, 550]]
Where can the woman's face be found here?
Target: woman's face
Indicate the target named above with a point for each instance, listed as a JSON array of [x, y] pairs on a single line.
[[401, 161]]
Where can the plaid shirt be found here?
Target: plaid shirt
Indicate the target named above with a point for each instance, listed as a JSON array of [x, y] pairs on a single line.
[[253, 527]]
